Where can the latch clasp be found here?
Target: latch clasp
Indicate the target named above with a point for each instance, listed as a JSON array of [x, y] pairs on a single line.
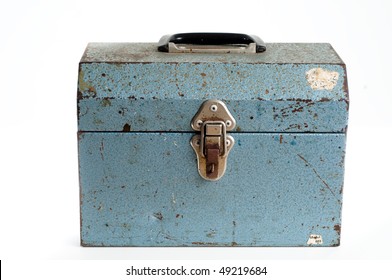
[[212, 145]]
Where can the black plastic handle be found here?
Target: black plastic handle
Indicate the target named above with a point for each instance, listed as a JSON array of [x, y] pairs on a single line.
[[210, 39]]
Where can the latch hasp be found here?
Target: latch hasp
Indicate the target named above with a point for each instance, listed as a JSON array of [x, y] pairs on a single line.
[[212, 145]]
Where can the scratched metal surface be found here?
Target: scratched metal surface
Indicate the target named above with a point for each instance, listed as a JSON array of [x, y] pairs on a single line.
[[143, 189], [132, 87]]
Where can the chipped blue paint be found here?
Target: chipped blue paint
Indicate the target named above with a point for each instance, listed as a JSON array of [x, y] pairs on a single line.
[[251, 115], [204, 80], [141, 188], [264, 94], [278, 97]]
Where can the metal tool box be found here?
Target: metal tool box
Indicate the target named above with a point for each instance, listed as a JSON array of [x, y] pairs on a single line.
[[211, 140]]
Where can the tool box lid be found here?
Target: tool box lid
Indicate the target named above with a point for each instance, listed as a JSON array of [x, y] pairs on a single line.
[[291, 87]]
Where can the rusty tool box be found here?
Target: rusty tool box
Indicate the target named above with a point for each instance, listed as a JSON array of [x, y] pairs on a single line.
[[211, 139]]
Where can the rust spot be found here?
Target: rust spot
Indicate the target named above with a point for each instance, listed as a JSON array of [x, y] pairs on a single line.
[[203, 74], [310, 104], [204, 84], [79, 95], [92, 91], [181, 94], [178, 87], [80, 135], [293, 126], [300, 109], [345, 82], [281, 139], [345, 89], [266, 91], [158, 215], [238, 128], [337, 228], [179, 216], [234, 243], [324, 99], [126, 128]]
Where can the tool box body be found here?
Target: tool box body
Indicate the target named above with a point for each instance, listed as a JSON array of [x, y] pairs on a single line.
[[139, 180]]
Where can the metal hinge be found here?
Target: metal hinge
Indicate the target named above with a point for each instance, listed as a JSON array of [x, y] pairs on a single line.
[[212, 145]]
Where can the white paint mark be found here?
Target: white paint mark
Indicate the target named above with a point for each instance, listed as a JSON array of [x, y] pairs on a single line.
[[315, 239], [319, 79], [173, 199]]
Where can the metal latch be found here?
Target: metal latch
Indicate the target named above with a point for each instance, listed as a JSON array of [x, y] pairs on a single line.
[[212, 145]]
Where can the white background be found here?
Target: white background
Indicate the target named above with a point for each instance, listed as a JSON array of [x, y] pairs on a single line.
[[41, 44]]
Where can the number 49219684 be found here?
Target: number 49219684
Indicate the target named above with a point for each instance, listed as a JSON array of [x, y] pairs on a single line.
[[233, 270]]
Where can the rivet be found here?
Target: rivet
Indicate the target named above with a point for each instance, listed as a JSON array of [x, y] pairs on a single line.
[[214, 108], [199, 123], [228, 123], [228, 142]]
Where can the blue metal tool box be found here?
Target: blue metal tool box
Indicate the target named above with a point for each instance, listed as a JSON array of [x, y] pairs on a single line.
[[211, 140]]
